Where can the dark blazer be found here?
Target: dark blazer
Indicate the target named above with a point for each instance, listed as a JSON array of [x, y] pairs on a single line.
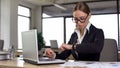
[[89, 49]]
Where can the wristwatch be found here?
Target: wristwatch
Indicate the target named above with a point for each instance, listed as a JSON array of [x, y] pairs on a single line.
[[74, 50], [74, 46]]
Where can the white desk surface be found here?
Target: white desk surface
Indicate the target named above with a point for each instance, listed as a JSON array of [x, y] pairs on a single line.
[[19, 63]]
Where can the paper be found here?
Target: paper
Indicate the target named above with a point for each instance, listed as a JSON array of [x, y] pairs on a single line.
[[88, 64]]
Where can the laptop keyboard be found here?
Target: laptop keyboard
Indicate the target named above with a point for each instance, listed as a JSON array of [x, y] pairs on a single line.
[[45, 59]]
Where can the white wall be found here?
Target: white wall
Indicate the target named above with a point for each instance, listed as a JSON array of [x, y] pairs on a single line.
[[0, 19], [8, 20], [38, 20]]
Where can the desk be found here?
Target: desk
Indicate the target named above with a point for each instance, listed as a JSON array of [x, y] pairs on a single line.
[[19, 52], [19, 63]]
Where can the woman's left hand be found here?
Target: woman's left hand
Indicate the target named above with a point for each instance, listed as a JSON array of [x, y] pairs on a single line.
[[65, 47]]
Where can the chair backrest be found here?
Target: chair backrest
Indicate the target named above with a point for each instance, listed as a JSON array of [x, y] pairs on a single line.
[[110, 51], [1, 44]]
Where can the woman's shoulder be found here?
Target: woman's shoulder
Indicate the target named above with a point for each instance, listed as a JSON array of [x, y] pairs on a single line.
[[95, 28], [74, 33]]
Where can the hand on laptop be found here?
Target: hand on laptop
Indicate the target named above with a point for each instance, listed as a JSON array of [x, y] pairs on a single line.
[[50, 53]]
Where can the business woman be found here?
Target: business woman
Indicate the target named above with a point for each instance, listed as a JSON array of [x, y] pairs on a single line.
[[86, 42]]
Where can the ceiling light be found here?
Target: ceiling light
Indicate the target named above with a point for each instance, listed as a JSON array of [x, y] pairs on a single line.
[[59, 6]]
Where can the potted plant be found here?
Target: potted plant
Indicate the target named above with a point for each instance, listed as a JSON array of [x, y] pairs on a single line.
[[41, 42]]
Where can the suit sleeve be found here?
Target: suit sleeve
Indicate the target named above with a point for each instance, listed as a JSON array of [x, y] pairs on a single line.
[[63, 55]]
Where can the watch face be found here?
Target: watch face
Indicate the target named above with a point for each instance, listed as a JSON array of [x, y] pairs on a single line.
[[75, 46]]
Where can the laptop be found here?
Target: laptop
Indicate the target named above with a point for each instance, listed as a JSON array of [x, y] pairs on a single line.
[[30, 49], [54, 44]]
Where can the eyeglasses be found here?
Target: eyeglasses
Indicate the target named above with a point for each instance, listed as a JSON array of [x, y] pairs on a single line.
[[81, 19]]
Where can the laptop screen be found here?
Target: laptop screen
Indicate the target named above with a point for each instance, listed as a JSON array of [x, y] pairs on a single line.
[[30, 49], [30, 45]]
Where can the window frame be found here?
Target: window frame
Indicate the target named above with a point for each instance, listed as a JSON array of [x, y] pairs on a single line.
[[29, 17]]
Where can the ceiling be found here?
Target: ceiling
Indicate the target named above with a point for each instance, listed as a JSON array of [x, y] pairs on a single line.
[[96, 6], [50, 2]]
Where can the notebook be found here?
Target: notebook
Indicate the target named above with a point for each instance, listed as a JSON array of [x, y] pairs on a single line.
[[54, 44], [30, 49]]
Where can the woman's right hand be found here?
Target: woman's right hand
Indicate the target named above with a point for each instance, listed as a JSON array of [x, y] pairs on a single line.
[[50, 53]]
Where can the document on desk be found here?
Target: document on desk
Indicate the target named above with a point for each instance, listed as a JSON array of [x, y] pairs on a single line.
[[81, 64], [88, 64], [110, 65]]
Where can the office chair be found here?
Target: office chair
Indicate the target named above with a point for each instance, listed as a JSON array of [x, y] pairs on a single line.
[[1, 44], [110, 51]]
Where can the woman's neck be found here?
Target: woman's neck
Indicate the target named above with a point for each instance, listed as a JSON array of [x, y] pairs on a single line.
[[81, 32]]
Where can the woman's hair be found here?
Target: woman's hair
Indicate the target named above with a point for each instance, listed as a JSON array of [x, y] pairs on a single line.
[[82, 6]]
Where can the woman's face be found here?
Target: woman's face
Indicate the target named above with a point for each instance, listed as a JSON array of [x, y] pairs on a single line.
[[81, 19]]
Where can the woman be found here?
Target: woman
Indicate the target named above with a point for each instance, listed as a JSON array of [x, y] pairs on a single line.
[[86, 42]]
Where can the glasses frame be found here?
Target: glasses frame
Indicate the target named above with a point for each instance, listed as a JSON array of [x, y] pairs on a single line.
[[75, 20]]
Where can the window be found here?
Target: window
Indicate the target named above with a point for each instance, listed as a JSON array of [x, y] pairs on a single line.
[[108, 23], [53, 30], [100, 21], [70, 27], [53, 27], [23, 22]]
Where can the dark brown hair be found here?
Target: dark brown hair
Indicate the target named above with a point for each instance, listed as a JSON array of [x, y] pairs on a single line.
[[82, 6]]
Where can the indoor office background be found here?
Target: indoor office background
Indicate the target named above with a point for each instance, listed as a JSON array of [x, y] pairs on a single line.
[[57, 23]]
